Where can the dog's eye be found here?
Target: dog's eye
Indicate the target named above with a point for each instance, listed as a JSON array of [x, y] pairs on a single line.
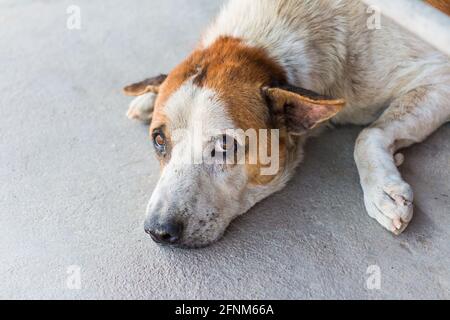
[[159, 141]]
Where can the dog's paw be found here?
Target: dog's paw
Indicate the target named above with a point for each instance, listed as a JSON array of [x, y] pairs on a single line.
[[390, 202], [141, 108]]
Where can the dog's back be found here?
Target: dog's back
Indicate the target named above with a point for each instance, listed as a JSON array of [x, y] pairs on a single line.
[[339, 49], [288, 28]]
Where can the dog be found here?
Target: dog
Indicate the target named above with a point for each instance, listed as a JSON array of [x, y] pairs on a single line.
[[294, 66]]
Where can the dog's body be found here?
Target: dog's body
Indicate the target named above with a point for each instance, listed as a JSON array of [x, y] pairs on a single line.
[[252, 56]]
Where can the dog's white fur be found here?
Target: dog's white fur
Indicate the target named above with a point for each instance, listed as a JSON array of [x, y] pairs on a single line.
[[326, 46], [388, 78], [194, 112]]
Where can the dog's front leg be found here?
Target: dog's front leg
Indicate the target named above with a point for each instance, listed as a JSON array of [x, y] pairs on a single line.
[[409, 119]]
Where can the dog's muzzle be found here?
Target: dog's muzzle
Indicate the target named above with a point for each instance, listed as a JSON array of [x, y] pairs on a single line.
[[167, 233]]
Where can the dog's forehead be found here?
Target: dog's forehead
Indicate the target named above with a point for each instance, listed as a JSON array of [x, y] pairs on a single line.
[[219, 87], [191, 106]]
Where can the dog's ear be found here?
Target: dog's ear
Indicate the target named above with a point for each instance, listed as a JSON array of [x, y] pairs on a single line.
[[146, 91], [145, 86], [299, 109]]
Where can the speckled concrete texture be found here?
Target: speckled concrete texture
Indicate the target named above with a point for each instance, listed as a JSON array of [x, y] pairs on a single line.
[[75, 177]]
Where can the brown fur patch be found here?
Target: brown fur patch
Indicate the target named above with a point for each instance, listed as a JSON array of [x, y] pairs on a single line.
[[145, 86], [234, 70], [442, 5], [237, 73]]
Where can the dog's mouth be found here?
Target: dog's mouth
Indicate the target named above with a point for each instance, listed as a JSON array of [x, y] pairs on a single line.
[[189, 244], [188, 235]]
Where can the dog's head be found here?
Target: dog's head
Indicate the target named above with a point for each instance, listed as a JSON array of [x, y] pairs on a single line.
[[226, 129]]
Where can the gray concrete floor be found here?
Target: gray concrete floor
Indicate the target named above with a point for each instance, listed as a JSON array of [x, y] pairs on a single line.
[[76, 176]]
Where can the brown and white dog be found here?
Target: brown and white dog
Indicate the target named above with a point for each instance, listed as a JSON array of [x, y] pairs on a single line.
[[273, 64]]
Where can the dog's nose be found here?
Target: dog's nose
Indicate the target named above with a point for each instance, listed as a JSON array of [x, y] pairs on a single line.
[[165, 233]]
